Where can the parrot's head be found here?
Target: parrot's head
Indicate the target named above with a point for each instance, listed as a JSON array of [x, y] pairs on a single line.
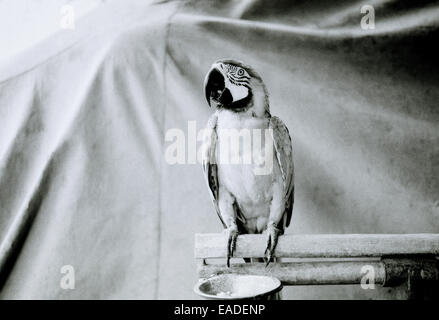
[[231, 85]]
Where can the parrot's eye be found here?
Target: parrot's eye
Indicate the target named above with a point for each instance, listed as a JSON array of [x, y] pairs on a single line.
[[240, 72]]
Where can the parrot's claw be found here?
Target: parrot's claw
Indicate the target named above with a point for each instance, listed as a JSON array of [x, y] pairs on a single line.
[[232, 235], [273, 233]]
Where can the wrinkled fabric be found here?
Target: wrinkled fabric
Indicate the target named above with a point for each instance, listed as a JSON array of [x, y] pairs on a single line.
[[84, 181]]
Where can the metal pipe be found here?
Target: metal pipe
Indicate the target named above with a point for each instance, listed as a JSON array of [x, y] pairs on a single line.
[[387, 272], [389, 259], [303, 273]]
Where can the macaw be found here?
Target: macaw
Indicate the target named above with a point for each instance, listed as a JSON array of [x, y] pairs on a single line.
[[247, 201]]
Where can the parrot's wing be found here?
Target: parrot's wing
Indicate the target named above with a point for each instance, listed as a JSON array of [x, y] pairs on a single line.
[[209, 161], [284, 156]]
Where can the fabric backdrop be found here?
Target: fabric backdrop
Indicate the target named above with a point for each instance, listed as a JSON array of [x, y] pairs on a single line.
[[84, 113]]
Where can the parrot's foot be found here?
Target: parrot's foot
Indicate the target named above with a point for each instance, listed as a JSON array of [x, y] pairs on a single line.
[[232, 235], [273, 233]]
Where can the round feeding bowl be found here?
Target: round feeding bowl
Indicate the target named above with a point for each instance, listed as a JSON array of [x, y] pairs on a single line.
[[237, 287]]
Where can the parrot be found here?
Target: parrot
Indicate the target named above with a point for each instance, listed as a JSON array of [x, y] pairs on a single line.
[[246, 202]]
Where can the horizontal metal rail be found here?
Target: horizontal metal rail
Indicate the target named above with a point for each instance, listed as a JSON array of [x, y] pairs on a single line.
[[320, 246], [387, 272], [389, 259]]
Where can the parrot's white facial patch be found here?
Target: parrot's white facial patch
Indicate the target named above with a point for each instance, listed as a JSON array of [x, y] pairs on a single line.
[[236, 79], [238, 92]]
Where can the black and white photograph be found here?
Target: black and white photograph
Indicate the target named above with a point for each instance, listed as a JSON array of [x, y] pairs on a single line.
[[219, 153]]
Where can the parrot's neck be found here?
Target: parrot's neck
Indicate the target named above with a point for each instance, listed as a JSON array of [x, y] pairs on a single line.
[[260, 108]]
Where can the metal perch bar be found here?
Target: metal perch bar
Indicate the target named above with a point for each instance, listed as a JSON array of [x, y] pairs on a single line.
[[321, 246], [394, 258]]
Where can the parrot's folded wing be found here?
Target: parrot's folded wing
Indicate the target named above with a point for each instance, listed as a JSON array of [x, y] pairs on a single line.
[[284, 156], [209, 162]]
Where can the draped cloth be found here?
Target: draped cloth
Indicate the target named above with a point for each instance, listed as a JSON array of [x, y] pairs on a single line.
[[84, 112]]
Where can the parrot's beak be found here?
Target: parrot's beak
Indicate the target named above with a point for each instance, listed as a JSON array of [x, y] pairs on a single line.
[[217, 87]]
